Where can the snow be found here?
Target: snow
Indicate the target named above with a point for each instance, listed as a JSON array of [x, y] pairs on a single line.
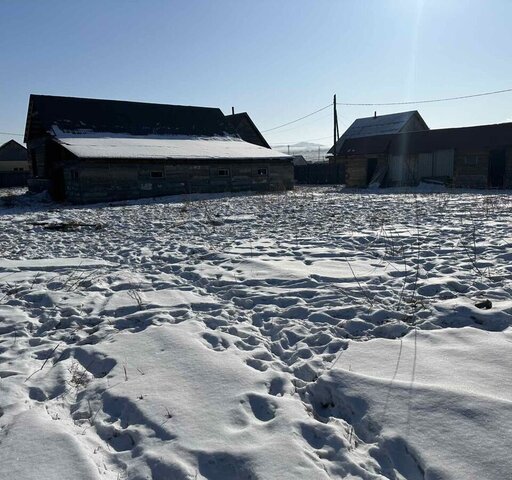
[[51, 263], [318, 334], [34, 446], [438, 402], [122, 146], [233, 429]]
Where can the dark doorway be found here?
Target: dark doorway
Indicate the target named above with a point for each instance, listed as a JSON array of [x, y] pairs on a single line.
[[371, 167], [33, 160], [496, 168], [57, 189]]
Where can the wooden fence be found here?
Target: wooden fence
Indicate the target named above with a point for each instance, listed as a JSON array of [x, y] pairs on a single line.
[[13, 179], [319, 174]]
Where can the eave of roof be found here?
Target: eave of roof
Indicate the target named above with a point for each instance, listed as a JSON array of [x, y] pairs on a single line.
[[480, 136], [112, 146]]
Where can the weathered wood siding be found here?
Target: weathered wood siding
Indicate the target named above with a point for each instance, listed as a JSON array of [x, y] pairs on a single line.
[[471, 169], [320, 173], [355, 172], [37, 157], [507, 182], [90, 181], [444, 161], [13, 179], [413, 125], [356, 169]]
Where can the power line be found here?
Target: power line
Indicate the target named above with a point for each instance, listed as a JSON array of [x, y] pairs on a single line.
[[10, 133], [383, 104], [378, 104], [329, 115], [298, 119], [309, 140], [415, 102]]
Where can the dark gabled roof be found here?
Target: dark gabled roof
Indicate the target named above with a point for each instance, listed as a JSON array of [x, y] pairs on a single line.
[[79, 115], [478, 137], [13, 144], [12, 150], [246, 129]]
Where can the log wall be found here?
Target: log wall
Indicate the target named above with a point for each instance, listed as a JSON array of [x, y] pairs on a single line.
[[91, 181]]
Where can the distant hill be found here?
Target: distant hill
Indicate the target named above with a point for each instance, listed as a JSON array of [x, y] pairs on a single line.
[[312, 152]]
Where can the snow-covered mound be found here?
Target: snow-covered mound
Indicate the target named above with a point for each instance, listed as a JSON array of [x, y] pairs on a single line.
[[312, 334], [437, 402]]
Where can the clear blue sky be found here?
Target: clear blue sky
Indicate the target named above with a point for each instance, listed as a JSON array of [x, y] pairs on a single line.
[[276, 59]]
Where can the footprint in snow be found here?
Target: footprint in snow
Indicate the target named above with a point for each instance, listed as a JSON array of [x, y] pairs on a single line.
[[262, 407], [215, 342], [279, 386], [257, 364]]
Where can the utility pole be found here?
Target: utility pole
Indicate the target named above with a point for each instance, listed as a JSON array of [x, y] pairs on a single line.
[[336, 132]]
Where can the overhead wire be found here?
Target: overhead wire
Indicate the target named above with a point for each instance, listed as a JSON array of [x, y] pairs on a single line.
[[298, 119], [416, 102], [382, 104], [10, 133], [365, 104], [329, 115], [309, 140]]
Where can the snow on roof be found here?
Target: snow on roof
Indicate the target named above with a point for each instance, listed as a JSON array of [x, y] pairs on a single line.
[[379, 125], [123, 146]]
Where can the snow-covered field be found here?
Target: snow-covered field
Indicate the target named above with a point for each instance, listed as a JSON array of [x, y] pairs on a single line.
[[314, 334]]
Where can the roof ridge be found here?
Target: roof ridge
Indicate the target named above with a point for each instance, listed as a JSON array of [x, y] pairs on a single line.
[[137, 102]]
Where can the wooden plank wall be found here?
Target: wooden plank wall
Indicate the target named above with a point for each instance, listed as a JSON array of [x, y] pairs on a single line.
[[507, 183], [355, 172], [469, 175], [90, 181]]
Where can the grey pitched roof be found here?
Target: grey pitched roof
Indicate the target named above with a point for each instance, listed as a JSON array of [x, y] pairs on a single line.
[[378, 125]]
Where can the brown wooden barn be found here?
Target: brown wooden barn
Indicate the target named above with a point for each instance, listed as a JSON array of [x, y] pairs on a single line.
[[472, 157], [371, 132], [14, 169], [88, 150]]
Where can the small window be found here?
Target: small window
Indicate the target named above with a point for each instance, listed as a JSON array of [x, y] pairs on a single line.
[[74, 174], [471, 160], [262, 172], [223, 172], [157, 174]]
